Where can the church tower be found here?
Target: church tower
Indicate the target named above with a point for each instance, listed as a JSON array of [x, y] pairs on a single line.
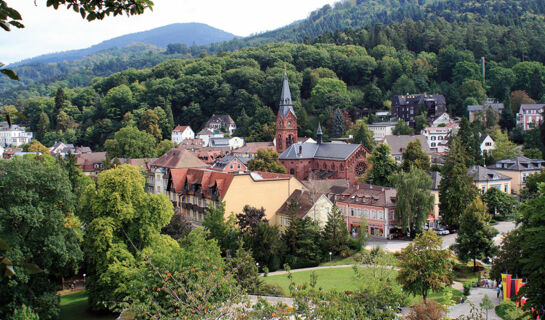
[[286, 120]]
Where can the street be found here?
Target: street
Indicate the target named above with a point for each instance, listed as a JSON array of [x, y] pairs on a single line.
[[448, 240]]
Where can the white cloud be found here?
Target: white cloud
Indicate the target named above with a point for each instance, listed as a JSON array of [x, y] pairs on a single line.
[[48, 30]]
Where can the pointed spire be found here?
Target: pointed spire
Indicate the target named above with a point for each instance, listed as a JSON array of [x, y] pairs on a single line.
[[319, 133], [285, 97]]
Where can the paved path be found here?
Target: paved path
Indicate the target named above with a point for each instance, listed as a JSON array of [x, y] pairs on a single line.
[[272, 300], [307, 269], [476, 296]]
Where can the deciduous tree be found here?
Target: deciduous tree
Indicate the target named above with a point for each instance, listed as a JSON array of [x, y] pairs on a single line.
[[402, 128], [266, 160], [383, 166], [415, 156], [362, 135], [130, 142], [424, 266]]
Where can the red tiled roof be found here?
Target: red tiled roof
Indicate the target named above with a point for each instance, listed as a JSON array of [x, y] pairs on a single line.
[[178, 158], [365, 194], [252, 147], [180, 128], [205, 178], [87, 160]]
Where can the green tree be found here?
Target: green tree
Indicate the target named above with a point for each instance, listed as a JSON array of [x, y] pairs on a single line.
[[266, 245], [456, 189], [475, 236], [469, 138], [303, 240], [38, 224], [402, 128], [164, 146], [531, 188], [414, 199], [424, 266], [266, 160], [222, 230], [178, 228], [509, 255], [486, 304], [533, 248], [335, 232], [130, 142], [60, 99], [149, 122], [473, 89], [362, 135], [382, 166], [64, 121], [36, 146], [339, 128], [504, 148], [43, 125], [420, 122], [122, 219], [498, 202], [507, 119], [414, 156]]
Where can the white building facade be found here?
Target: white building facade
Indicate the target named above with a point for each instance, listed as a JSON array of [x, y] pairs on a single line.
[[438, 137], [180, 133], [381, 129], [14, 136], [530, 115]]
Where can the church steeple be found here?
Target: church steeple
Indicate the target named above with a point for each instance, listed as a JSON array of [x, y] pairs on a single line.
[[319, 134], [285, 97]]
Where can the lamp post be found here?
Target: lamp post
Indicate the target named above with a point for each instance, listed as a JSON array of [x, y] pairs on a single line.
[[257, 265], [330, 256]]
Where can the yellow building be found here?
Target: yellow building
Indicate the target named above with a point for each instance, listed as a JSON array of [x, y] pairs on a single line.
[[436, 181], [194, 190], [484, 179], [518, 169]]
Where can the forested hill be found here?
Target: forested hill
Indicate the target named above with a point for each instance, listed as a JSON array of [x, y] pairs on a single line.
[[184, 33], [365, 13]]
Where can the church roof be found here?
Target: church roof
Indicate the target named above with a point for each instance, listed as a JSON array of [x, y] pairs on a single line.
[[327, 151], [286, 105]]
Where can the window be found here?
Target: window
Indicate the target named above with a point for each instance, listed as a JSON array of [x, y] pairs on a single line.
[[352, 212], [292, 171], [231, 166], [238, 166], [483, 189], [506, 188]]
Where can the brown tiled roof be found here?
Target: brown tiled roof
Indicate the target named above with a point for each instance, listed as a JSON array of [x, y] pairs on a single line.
[[180, 128], [178, 158], [87, 160], [252, 147], [206, 178], [304, 203], [365, 194]]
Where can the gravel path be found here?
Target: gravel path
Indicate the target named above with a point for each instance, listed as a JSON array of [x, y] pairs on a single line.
[[476, 296]]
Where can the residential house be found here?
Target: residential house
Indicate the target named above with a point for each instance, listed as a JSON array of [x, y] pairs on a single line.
[[398, 145], [443, 120], [487, 144], [250, 149], [222, 123], [485, 178], [323, 160], [479, 111], [1, 152], [9, 152], [172, 159], [181, 133], [191, 143], [231, 164], [382, 129], [518, 169], [437, 138], [383, 115], [316, 207], [530, 115], [13, 136], [206, 134], [407, 107], [91, 163], [229, 142], [192, 191], [375, 203], [62, 149]]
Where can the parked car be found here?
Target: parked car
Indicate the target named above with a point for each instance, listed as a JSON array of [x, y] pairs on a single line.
[[441, 232]]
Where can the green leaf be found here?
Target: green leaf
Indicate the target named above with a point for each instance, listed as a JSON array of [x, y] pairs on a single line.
[[4, 245], [32, 268], [9, 72]]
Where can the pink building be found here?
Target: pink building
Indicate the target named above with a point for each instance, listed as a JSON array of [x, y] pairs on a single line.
[[530, 115], [377, 204]]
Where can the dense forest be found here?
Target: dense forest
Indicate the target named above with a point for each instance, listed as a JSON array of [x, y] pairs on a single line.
[[356, 70]]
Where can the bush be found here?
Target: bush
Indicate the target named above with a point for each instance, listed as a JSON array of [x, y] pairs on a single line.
[[354, 244], [269, 289], [503, 308], [430, 310], [467, 288]]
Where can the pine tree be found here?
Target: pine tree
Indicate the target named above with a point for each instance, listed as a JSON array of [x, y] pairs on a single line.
[[507, 120], [335, 231], [382, 166], [469, 138], [170, 116], [475, 236], [415, 156], [243, 122], [456, 189], [60, 99], [43, 126], [339, 128], [362, 135]]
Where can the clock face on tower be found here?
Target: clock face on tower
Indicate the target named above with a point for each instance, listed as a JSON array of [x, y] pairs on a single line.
[[360, 168]]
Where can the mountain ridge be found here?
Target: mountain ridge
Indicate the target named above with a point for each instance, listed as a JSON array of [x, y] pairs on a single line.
[[186, 33]]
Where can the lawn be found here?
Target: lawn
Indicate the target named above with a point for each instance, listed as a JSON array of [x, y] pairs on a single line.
[[74, 307], [339, 261], [344, 279]]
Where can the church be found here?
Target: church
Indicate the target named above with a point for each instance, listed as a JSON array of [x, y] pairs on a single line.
[[321, 160]]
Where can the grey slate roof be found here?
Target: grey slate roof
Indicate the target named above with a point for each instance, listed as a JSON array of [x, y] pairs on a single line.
[[219, 142], [221, 163], [532, 106], [398, 144], [520, 163], [330, 151], [497, 106], [382, 124], [436, 180], [481, 174], [286, 105], [416, 99]]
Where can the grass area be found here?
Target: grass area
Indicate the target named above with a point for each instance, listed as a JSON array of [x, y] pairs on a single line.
[[465, 273], [74, 307], [344, 279], [338, 261]]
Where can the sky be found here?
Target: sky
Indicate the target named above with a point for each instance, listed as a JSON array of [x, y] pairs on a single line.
[[48, 30]]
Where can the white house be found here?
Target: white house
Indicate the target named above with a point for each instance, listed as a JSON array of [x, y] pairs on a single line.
[[437, 137], [180, 133], [487, 144], [381, 129], [443, 119], [14, 135], [232, 142], [221, 122], [207, 134], [1, 152]]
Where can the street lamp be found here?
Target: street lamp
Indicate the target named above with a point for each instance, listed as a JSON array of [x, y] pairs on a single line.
[[330, 256], [257, 265]]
